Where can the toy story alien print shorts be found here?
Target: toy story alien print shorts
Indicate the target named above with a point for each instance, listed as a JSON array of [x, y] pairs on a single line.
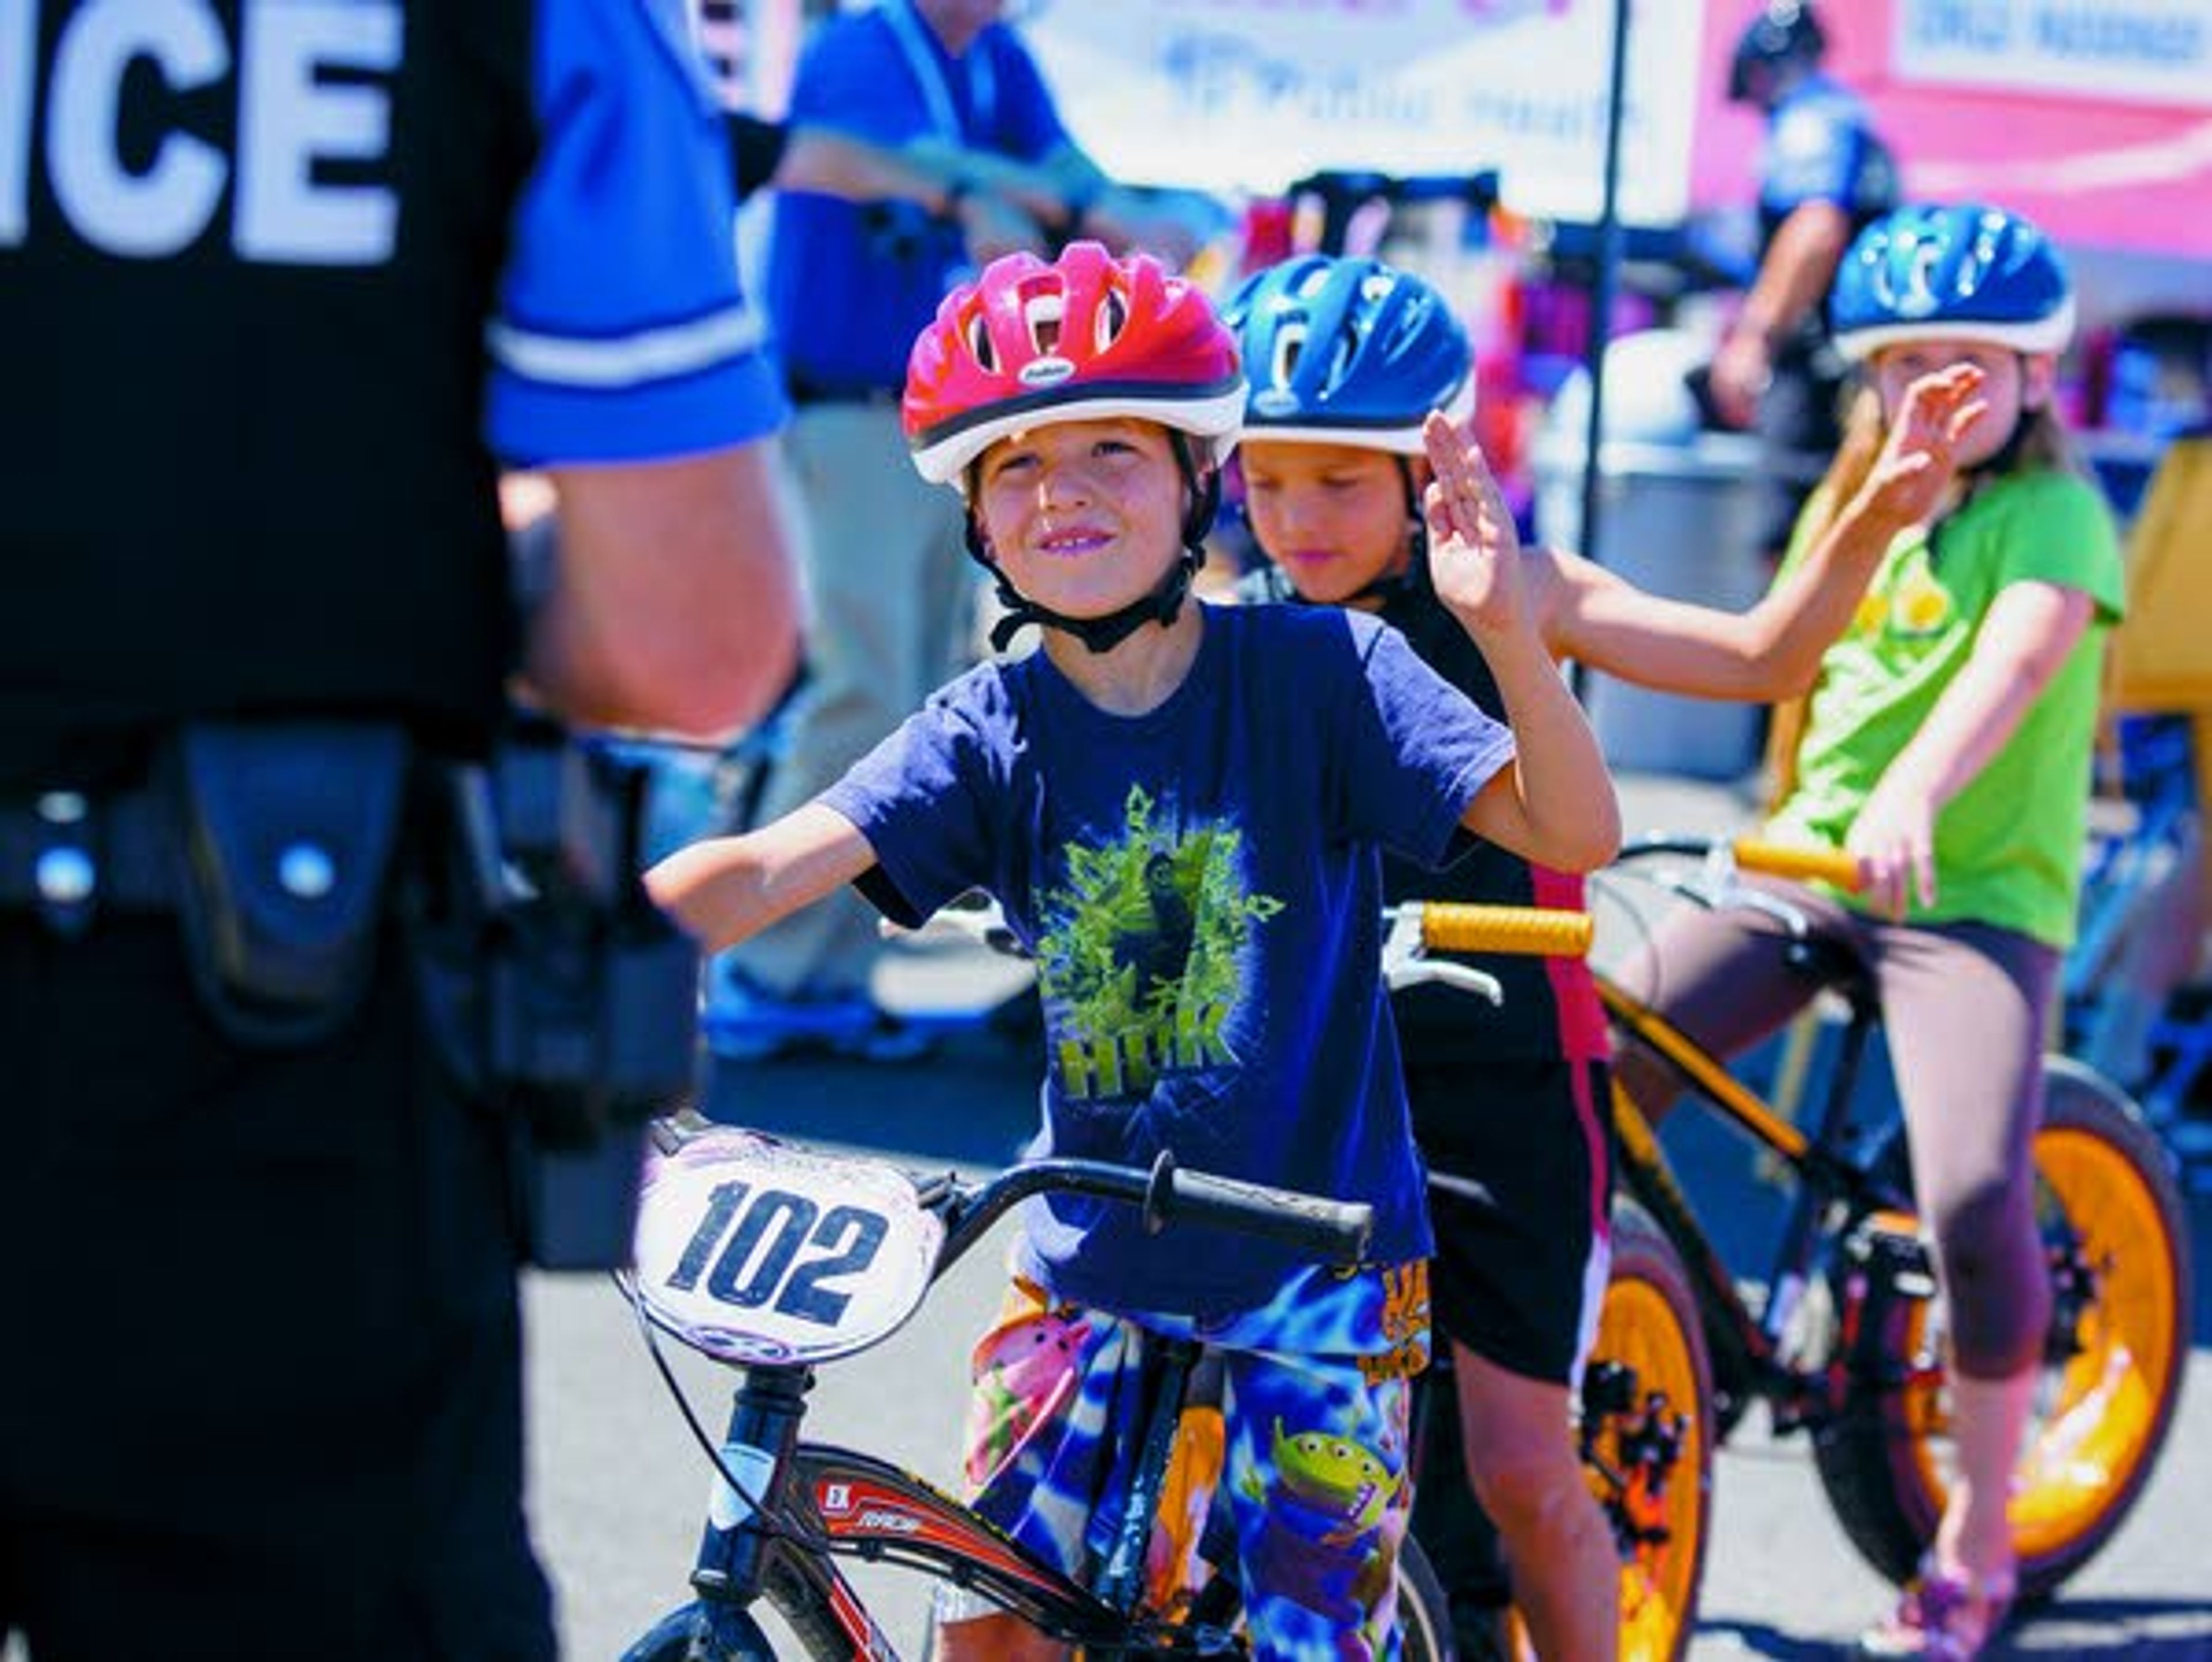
[[1302, 1443]]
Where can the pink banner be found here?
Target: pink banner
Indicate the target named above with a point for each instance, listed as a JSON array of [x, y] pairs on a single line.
[[2100, 164]]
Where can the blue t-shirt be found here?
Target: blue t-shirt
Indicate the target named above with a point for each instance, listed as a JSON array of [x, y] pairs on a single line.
[[1201, 887], [1821, 146], [623, 333], [849, 286]]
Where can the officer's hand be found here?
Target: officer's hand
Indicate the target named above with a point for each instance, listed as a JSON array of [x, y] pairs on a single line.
[[1742, 371], [1123, 220]]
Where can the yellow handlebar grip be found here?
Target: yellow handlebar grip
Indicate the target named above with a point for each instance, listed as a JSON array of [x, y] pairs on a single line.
[[1529, 931], [1780, 859]]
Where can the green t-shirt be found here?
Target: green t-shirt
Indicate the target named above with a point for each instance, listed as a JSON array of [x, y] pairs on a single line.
[[2008, 845]]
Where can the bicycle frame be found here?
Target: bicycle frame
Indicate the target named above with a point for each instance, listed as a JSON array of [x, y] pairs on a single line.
[[819, 1502], [758, 1255], [1748, 1347]]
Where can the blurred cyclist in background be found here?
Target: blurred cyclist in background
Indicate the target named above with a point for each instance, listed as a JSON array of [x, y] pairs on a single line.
[[1824, 173]]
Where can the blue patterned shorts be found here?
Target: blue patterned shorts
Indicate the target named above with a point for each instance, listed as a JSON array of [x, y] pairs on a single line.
[[1306, 1449]]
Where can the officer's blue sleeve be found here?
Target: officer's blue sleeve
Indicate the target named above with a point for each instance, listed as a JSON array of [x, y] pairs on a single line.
[[623, 334], [1814, 154]]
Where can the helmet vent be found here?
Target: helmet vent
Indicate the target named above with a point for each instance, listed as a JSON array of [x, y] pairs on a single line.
[[1043, 314], [1110, 320], [1290, 346], [1341, 352], [980, 346]]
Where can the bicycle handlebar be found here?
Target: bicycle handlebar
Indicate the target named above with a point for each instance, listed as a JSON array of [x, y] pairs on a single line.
[[1337, 1230], [1777, 859], [1751, 853], [1522, 930], [1334, 1230]]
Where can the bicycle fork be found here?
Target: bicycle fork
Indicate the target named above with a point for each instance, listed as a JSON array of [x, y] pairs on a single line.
[[758, 1502]]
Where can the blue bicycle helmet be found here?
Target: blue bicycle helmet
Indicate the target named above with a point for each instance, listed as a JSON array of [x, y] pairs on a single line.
[[1964, 272], [1348, 351]]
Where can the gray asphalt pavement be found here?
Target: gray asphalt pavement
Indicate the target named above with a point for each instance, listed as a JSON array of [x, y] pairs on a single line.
[[619, 1489]]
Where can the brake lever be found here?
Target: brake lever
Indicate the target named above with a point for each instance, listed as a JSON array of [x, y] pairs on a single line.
[[1462, 976], [1405, 961], [1719, 884]]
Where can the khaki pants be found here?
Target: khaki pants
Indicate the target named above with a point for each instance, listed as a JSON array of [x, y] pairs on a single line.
[[893, 598]]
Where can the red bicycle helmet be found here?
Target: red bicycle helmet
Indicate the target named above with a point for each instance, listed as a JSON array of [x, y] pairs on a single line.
[[1084, 337]]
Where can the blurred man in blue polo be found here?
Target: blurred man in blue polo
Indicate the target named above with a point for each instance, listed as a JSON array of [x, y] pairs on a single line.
[[951, 87]]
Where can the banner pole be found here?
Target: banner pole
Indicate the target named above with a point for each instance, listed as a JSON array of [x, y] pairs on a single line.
[[1603, 283]]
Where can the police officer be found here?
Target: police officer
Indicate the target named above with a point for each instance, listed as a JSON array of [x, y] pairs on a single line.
[[1824, 173], [259, 1380]]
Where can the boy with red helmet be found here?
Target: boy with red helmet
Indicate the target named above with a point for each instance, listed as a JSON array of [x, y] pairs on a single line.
[[1180, 809]]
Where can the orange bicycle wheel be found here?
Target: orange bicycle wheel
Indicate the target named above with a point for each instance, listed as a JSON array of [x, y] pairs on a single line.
[[1647, 1440], [2118, 1238]]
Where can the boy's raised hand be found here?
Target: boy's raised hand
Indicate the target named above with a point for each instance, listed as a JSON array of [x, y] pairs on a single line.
[[1474, 551], [1919, 458]]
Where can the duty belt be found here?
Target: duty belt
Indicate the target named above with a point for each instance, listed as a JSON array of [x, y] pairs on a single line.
[[63, 854]]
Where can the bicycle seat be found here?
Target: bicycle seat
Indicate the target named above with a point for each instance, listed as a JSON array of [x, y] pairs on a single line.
[[761, 1253]]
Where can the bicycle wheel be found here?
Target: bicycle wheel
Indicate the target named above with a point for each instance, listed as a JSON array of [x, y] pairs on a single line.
[[2116, 1236], [1647, 1435], [1647, 1442], [683, 1635], [1424, 1608]]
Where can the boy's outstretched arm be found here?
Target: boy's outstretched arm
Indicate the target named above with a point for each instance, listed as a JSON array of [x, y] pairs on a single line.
[[725, 889], [1555, 805]]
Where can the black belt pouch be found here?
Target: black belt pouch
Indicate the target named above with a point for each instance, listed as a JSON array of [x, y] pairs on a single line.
[[287, 830]]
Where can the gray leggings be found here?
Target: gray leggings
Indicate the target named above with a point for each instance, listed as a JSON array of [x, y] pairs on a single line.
[[1964, 1010]]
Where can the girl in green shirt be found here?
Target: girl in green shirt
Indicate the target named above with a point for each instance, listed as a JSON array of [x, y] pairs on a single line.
[[1948, 744]]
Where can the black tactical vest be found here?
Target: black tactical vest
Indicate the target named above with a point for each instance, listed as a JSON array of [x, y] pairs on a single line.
[[248, 253]]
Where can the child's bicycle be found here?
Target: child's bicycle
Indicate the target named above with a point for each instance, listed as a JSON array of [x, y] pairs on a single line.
[[1842, 1338], [2137, 862], [775, 1259]]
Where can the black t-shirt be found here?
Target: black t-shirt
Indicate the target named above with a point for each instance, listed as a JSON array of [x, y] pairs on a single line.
[[1440, 1024]]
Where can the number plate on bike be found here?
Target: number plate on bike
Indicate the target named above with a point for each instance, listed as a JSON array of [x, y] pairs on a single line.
[[756, 1252]]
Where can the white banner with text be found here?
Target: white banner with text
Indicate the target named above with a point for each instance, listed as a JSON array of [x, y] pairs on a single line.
[[1247, 95], [2143, 52]]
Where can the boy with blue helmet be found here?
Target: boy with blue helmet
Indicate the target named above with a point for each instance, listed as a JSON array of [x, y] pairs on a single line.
[[1355, 367], [1947, 744]]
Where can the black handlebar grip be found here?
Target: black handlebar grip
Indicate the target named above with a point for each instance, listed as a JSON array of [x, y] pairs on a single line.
[[1336, 1230]]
